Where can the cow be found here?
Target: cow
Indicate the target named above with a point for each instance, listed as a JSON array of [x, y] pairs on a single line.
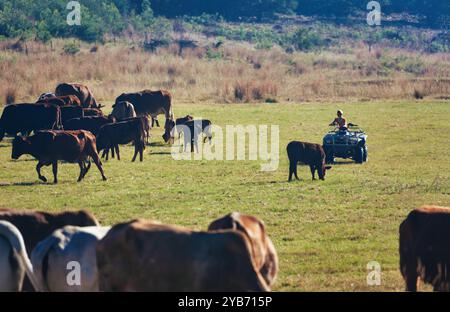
[[83, 93], [182, 121], [309, 154], [52, 101], [51, 257], [52, 145], [24, 118], [14, 261], [191, 130], [92, 112], [424, 247], [152, 103], [37, 225], [122, 110], [89, 123], [124, 132], [263, 250], [147, 256], [71, 112]]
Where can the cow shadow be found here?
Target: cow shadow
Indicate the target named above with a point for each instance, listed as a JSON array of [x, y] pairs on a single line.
[[4, 145], [160, 153], [6, 184], [343, 163], [157, 144]]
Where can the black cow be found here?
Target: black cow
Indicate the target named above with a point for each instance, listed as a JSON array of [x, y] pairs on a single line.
[[90, 123], [192, 128], [308, 153], [124, 132], [71, 112], [24, 118]]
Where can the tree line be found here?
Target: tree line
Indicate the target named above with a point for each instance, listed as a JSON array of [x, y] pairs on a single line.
[[45, 19]]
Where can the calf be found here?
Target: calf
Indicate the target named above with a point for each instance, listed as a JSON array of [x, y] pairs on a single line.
[[309, 154], [14, 261], [71, 243], [425, 248], [90, 123], [146, 256], [24, 118], [50, 146], [111, 135], [263, 251], [37, 225], [192, 128]]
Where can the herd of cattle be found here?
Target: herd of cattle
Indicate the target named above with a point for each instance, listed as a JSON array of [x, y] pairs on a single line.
[[69, 125], [233, 254]]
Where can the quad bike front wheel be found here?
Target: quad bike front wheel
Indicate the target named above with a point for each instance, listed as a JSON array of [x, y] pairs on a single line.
[[359, 155], [365, 154]]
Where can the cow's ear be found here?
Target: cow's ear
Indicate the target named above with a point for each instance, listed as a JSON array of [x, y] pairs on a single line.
[[328, 167]]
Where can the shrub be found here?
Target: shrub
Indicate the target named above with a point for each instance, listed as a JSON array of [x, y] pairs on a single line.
[[71, 48]]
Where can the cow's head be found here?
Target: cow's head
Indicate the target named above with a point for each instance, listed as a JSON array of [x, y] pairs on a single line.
[[20, 146], [168, 133], [322, 171]]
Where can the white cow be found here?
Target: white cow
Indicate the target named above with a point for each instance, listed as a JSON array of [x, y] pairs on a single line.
[[66, 260], [14, 261]]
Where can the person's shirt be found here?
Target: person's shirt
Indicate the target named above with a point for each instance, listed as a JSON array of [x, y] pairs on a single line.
[[340, 121]]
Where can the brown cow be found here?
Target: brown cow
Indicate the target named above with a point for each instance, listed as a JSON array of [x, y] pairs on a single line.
[[67, 100], [308, 153], [83, 93], [92, 112], [152, 103], [425, 248], [36, 225], [147, 256], [263, 250], [50, 146]]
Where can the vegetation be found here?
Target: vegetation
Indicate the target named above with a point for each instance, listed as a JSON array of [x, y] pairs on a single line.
[[222, 71], [325, 231]]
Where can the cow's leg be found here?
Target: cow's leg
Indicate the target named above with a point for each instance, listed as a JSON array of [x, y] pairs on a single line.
[[98, 163], [116, 147], [136, 150], [141, 151], [81, 164], [157, 122], [38, 169], [55, 171], [105, 154], [86, 167], [313, 171], [192, 146], [113, 152], [293, 170]]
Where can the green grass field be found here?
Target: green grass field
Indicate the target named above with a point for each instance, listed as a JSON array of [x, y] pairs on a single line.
[[325, 232]]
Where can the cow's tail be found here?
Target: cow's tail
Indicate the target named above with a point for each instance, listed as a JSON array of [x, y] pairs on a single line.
[[39, 260], [13, 235]]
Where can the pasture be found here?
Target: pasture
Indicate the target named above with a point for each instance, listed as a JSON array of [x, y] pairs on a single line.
[[325, 232]]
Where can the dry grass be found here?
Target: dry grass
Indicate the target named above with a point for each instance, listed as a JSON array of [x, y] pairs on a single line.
[[240, 73]]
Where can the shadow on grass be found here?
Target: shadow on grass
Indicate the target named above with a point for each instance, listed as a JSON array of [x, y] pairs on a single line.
[[160, 153], [6, 184], [160, 144]]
